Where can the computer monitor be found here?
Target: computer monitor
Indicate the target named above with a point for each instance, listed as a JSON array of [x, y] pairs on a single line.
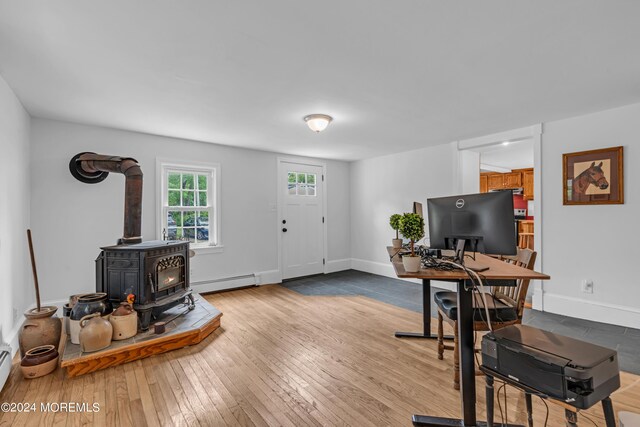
[[477, 222]]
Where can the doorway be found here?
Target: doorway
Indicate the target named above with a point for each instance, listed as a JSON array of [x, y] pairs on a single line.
[[506, 161], [301, 222]]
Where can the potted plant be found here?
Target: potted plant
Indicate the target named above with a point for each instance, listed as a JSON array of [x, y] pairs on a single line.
[[412, 227], [394, 222]]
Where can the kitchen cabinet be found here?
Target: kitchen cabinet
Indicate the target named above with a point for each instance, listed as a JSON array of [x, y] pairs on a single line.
[[495, 181], [517, 178], [512, 179], [527, 184], [484, 183]]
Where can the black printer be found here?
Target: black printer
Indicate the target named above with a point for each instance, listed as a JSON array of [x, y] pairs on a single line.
[[579, 373]]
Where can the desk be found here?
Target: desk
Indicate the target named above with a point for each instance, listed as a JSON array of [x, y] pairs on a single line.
[[426, 304], [498, 270]]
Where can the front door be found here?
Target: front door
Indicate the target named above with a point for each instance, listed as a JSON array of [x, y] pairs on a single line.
[[301, 222]]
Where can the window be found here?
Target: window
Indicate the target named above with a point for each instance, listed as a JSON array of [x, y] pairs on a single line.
[[301, 184], [189, 208]]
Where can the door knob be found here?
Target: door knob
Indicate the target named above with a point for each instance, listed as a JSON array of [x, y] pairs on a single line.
[[284, 230]]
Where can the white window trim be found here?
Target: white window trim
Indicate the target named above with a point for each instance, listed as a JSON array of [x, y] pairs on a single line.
[[162, 164]]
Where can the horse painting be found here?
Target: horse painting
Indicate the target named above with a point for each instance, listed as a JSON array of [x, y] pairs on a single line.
[[592, 175]]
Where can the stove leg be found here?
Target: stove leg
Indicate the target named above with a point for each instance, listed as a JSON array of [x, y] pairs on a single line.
[[145, 319]]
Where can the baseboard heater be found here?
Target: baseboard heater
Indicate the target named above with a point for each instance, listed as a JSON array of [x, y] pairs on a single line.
[[228, 282], [5, 363]]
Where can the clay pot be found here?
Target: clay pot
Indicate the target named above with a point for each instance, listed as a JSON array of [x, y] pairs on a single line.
[[87, 304], [41, 328], [95, 333], [124, 321], [39, 361]]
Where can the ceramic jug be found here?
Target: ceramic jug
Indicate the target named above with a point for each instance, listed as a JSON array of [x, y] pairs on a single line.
[[95, 333], [124, 321], [87, 304]]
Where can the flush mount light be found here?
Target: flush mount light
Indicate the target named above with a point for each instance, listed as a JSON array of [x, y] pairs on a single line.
[[506, 143], [318, 122]]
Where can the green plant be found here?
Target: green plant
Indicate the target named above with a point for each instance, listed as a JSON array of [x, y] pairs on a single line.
[[395, 221], [412, 227]]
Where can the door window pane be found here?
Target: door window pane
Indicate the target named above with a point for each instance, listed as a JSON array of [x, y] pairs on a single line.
[[301, 184]]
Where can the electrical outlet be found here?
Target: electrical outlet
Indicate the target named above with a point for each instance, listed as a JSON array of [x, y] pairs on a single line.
[[587, 286]]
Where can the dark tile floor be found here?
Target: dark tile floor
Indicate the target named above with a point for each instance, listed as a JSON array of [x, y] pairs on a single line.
[[409, 295]]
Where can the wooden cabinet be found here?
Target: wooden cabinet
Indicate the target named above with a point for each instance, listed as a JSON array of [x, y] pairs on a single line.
[[484, 183], [517, 178], [527, 184], [512, 179], [495, 181]]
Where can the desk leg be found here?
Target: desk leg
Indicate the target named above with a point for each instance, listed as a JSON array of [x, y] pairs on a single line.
[[467, 369], [609, 417], [426, 316], [527, 399], [489, 398]]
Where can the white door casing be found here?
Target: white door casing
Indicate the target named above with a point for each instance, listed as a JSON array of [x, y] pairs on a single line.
[[302, 215]]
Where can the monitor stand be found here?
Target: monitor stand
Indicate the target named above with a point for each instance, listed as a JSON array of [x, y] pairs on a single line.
[[460, 257]]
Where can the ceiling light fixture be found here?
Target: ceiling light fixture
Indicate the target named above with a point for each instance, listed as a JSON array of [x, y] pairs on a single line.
[[318, 122], [506, 143]]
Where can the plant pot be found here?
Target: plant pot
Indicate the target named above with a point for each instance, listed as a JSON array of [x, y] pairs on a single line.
[[41, 328], [396, 243], [124, 321], [95, 333], [87, 304], [39, 361], [411, 263]]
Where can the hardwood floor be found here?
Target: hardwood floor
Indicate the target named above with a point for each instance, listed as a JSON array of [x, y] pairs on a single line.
[[282, 358]]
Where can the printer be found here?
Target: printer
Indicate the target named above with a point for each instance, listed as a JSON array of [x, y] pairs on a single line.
[[576, 372]]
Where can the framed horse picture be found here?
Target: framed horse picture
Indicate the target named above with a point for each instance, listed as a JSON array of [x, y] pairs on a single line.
[[593, 177]]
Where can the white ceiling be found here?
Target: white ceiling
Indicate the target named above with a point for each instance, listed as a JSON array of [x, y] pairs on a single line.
[[515, 155], [395, 75]]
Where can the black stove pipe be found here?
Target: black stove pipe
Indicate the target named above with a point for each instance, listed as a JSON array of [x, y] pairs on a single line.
[[93, 168]]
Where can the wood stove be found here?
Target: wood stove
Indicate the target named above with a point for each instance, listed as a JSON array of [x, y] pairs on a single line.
[[156, 272]]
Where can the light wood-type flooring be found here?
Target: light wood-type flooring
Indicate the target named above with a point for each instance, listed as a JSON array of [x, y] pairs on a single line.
[[282, 358]]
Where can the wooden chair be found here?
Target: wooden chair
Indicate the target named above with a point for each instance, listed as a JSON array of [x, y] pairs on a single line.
[[505, 304]]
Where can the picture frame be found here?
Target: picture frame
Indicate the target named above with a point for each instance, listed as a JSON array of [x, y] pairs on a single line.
[[593, 177]]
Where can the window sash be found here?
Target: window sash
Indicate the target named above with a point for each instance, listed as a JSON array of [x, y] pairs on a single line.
[[211, 190]]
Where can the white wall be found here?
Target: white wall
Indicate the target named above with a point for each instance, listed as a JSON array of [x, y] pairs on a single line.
[[389, 184], [592, 242], [469, 172], [16, 286], [71, 219]]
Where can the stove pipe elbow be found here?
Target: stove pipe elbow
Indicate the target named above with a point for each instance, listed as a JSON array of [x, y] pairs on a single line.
[[92, 168]]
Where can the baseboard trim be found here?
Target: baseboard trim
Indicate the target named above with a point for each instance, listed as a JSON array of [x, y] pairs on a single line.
[[338, 265], [386, 269], [591, 310]]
